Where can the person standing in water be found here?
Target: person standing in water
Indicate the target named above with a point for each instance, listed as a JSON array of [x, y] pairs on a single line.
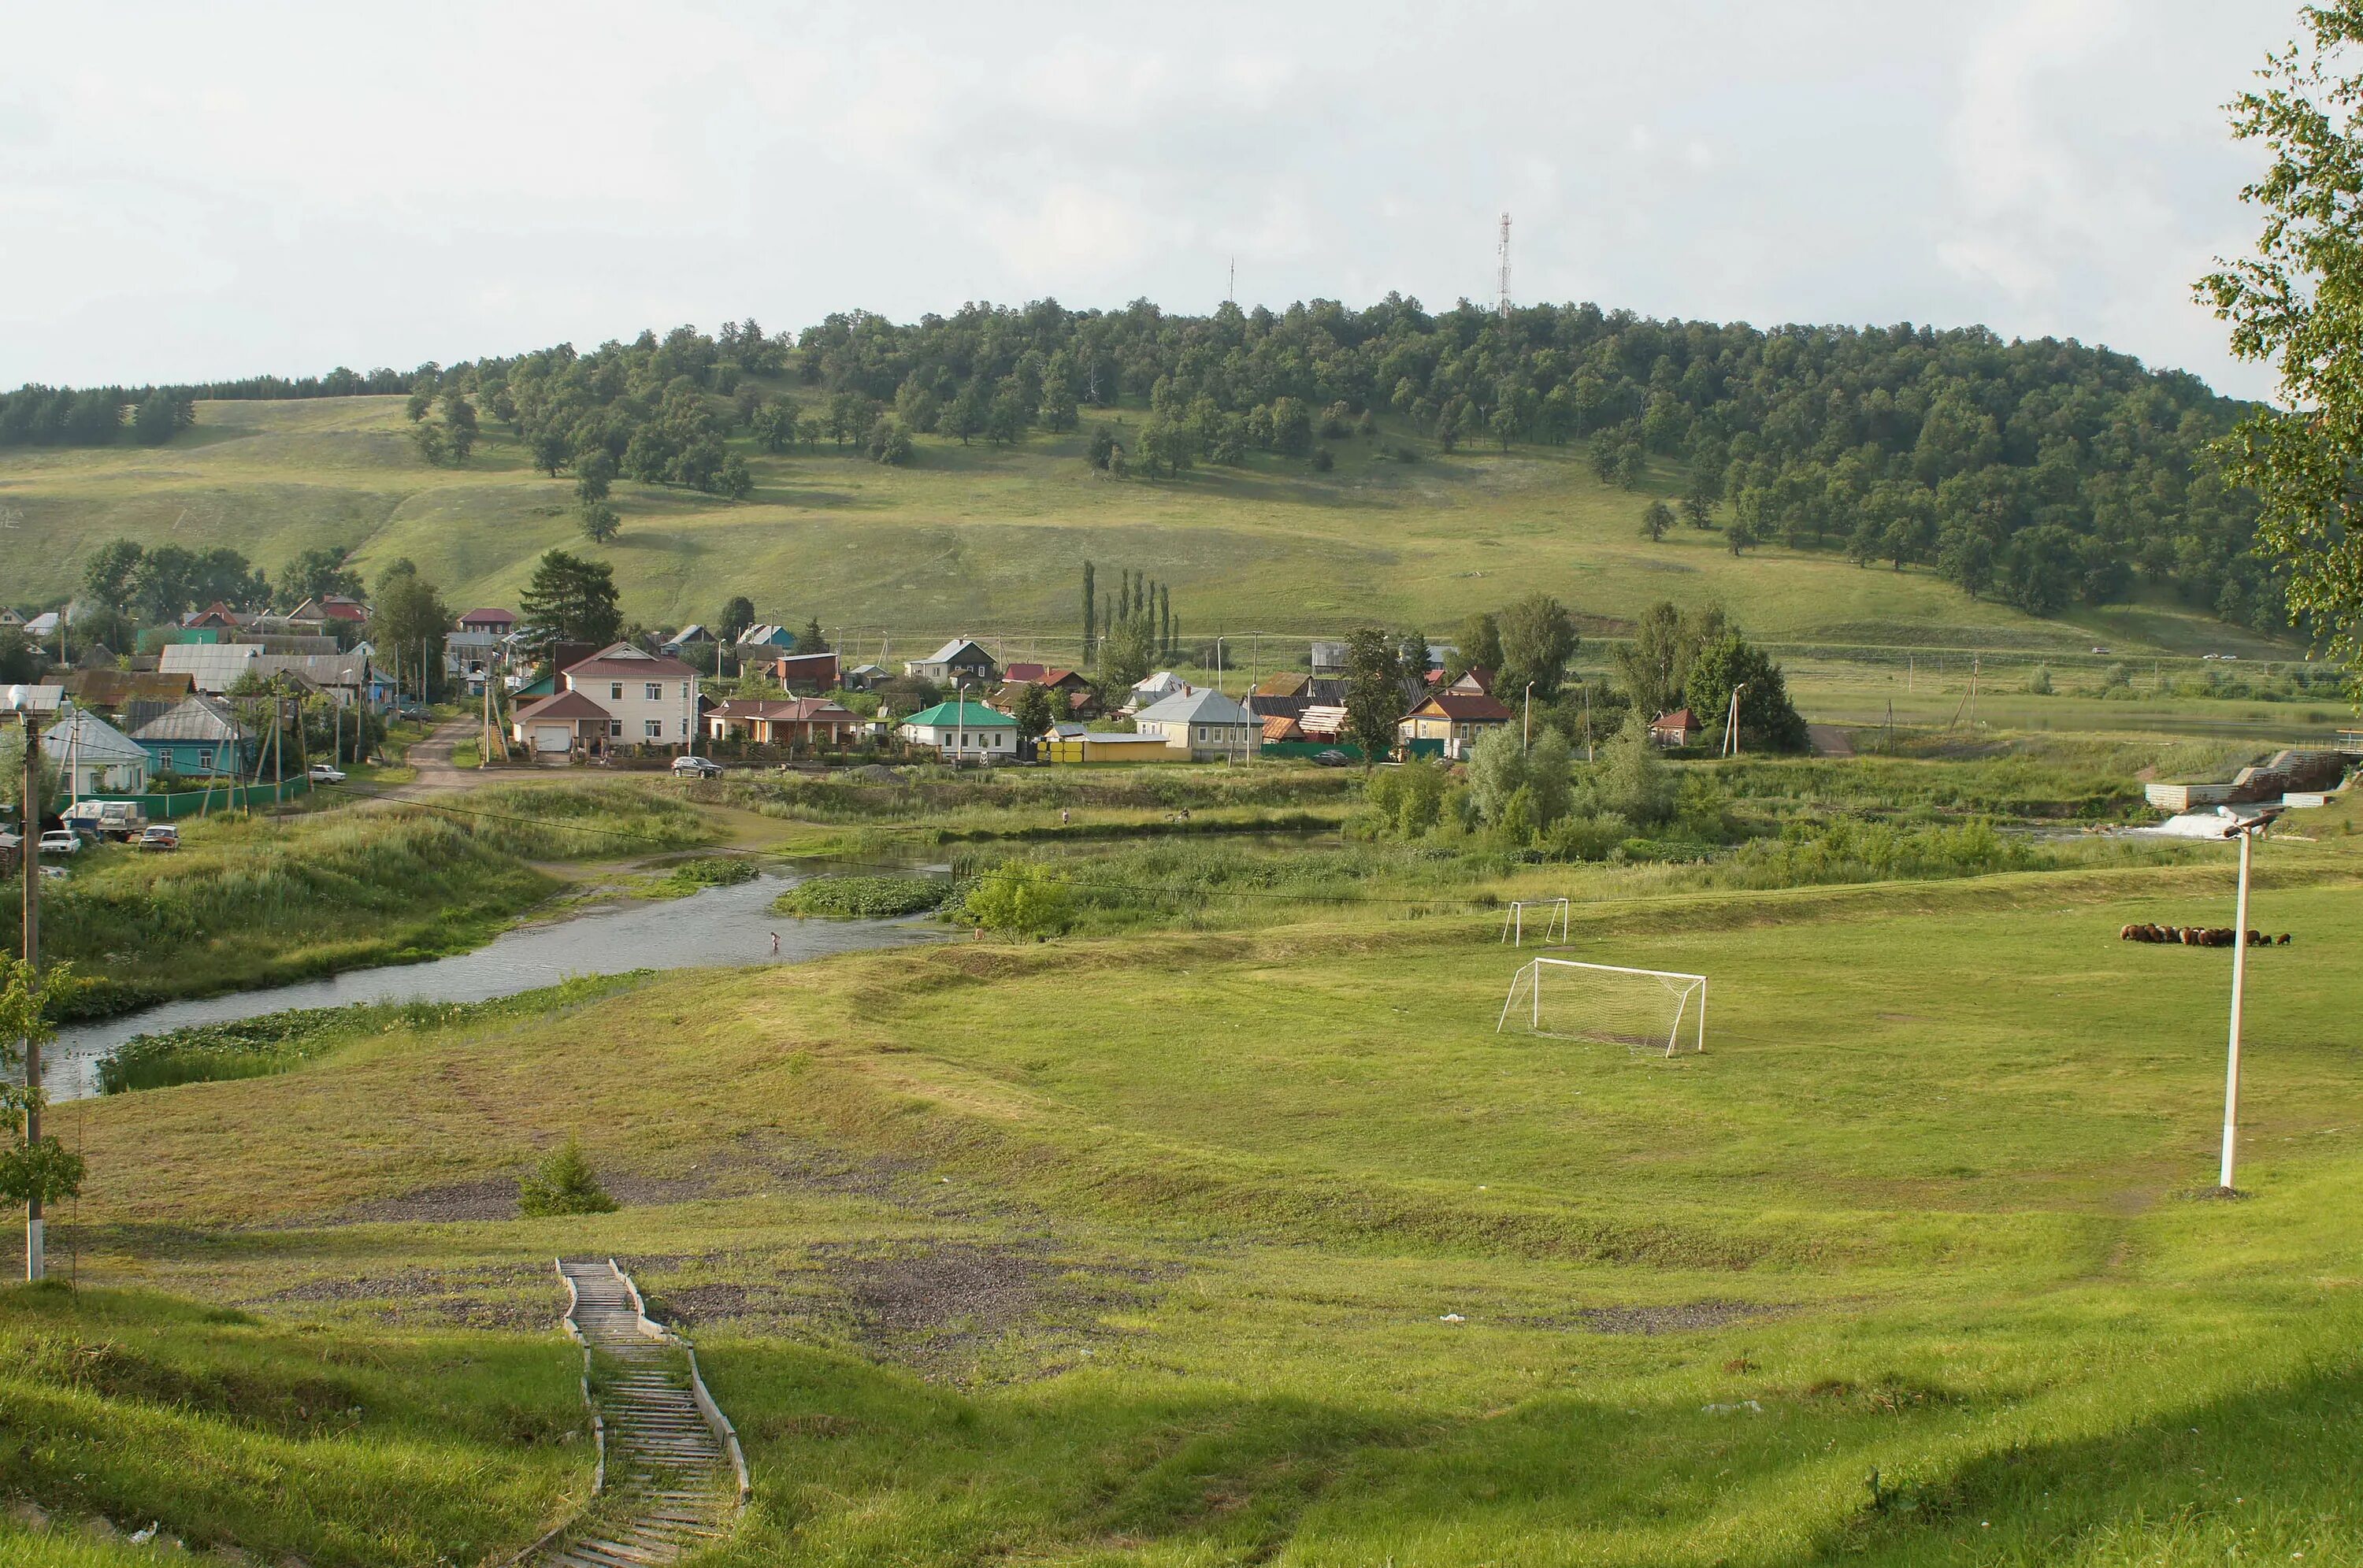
[[775, 945]]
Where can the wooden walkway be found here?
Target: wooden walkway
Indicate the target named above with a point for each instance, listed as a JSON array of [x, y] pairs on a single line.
[[671, 1478]]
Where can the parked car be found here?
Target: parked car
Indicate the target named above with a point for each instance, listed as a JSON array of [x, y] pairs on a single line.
[[696, 768], [1330, 759], [323, 774], [411, 711], [62, 841], [160, 835]]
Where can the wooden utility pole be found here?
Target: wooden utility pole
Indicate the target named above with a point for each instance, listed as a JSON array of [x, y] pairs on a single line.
[[28, 812]]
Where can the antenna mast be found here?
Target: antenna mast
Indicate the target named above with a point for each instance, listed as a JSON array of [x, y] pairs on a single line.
[[1232, 292], [1505, 265]]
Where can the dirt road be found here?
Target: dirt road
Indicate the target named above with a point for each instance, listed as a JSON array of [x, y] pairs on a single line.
[[431, 760]]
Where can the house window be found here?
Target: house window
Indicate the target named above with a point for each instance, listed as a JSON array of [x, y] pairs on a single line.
[[685, 688], [655, 729], [614, 690], [614, 729], [656, 692]]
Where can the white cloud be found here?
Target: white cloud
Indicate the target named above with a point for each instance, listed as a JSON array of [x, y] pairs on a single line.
[[248, 187]]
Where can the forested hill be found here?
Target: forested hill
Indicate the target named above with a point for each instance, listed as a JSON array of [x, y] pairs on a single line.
[[2040, 473]]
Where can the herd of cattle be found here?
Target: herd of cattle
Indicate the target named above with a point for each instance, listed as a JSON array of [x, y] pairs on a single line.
[[2198, 935]]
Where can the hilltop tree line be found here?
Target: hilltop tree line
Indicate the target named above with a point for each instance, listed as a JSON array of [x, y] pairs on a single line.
[[2042, 473]]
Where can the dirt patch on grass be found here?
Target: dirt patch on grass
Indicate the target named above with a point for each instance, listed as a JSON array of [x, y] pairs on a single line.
[[1688, 1317], [492, 1295], [494, 1198], [957, 1310]]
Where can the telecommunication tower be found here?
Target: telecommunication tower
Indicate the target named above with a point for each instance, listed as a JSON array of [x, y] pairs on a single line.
[[1504, 252]]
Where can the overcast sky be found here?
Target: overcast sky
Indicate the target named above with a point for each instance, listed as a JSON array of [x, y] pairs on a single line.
[[216, 189]]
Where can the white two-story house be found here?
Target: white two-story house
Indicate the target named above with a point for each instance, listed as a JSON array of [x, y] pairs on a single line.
[[649, 700]]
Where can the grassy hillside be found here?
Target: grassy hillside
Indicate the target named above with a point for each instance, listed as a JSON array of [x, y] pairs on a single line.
[[1260, 1245], [977, 537]]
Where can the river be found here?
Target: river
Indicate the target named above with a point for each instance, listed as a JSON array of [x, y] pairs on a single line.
[[716, 926]]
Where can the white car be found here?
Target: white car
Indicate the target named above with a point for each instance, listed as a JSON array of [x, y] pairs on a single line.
[[696, 768], [323, 774], [60, 842]]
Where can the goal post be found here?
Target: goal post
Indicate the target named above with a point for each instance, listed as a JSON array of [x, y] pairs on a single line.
[[1657, 1011], [1557, 913]]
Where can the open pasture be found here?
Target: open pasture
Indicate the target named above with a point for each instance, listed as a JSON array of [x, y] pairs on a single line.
[[1260, 1245]]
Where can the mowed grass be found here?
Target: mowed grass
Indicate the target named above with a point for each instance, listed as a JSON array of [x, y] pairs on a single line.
[[1260, 1245], [978, 538]]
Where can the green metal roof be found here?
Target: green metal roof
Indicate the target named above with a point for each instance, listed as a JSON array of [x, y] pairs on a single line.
[[962, 715]]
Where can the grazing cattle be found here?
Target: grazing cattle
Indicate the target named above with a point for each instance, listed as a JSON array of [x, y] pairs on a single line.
[[2197, 935]]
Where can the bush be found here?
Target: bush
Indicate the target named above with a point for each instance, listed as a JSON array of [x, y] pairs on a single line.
[[861, 898], [1023, 898], [563, 1184], [717, 871]]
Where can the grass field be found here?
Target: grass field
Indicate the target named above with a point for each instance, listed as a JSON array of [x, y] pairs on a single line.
[[1258, 1245], [981, 539]]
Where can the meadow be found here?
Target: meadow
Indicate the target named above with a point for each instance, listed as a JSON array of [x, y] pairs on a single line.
[[980, 539], [1253, 1242]]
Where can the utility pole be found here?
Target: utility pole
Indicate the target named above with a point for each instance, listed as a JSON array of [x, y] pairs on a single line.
[[1526, 725], [2246, 833], [1731, 723], [28, 812]]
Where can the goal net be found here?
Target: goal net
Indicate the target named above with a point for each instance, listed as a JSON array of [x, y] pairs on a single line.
[[1646, 1010]]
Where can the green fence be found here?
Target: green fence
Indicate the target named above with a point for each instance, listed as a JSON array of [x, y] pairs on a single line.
[[228, 797], [1311, 749]]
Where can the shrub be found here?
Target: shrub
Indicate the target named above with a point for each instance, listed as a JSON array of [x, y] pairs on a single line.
[[1022, 897], [563, 1184], [861, 898]]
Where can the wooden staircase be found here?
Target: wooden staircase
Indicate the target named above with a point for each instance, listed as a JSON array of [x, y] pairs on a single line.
[[670, 1477]]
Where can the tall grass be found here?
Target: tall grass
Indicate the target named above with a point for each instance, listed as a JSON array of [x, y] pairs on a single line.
[[328, 1446], [278, 1042], [248, 899]]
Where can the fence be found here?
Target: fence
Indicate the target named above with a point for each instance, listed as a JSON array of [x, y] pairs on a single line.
[[230, 798]]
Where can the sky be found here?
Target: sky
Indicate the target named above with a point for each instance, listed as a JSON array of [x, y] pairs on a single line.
[[197, 192]]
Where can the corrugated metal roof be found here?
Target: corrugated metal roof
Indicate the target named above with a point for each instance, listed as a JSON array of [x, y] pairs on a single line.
[[197, 718], [1196, 708], [213, 667]]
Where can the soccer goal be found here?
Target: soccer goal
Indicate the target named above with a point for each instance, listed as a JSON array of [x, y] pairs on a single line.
[[1555, 912], [1651, 1011]]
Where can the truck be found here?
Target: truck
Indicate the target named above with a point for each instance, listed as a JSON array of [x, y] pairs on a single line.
[[107, 818]]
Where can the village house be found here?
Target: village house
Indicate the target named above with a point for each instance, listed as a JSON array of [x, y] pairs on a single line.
[[200, 738], [963, 731], [497, 622], [1204, 726], [94, 758], [1082, 700], [1156, 689], [804, 672], [1678, 728], [9, 617], [1458, 719], [768, 638], [862, 677], [959, 660], [649, 700], [331, 607], [796, 721], [688, 637]]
